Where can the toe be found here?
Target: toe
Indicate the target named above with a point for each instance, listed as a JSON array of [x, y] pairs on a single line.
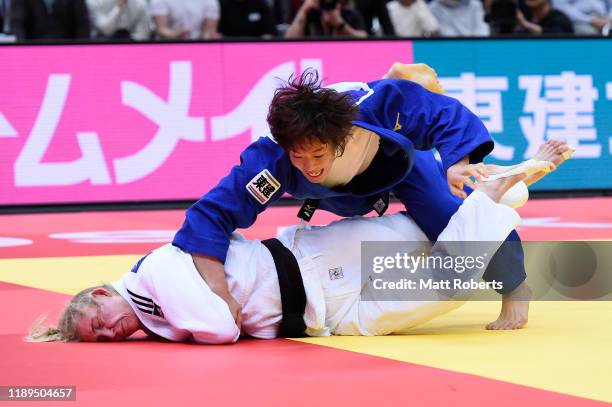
[[492, 325]]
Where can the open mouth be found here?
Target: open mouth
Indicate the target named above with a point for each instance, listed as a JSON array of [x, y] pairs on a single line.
[[315, 174]]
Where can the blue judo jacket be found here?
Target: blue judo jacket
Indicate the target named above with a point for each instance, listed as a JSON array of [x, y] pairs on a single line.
[[405, 115]]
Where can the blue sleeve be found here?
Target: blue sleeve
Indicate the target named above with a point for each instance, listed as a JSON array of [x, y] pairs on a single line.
[[428, 119], [261, 178]]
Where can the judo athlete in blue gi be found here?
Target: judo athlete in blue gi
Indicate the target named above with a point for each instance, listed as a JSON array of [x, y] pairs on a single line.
[[344, 149]]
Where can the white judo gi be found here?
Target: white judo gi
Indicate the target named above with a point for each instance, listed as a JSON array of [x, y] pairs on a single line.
[[172, 300]]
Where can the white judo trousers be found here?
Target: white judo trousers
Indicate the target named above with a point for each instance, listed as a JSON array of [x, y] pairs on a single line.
[[478, 219], [172, 300]]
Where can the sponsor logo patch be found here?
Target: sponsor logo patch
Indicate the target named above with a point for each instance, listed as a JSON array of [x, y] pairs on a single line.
[[336, 273], [263, 186]]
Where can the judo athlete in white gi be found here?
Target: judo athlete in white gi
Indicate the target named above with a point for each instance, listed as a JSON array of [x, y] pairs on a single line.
[[166, 297]]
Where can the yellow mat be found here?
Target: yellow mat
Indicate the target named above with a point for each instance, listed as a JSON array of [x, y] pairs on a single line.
[[567, 346]]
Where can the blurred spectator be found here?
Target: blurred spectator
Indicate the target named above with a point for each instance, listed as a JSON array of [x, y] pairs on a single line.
[[186, 19], [5, 10], [50, 19], [502, 16], [459, 18], [246, 18], [283, 15], [541, 18], [282, 11], [412, 18], [370, 9], [327, 18], [590, 17], [119, 19]]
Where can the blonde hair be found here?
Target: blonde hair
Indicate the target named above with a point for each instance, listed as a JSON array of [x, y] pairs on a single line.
[[65, 331]]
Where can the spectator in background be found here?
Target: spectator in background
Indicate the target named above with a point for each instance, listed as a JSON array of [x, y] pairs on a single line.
[[540, 18], [333, 18], [460, 18], [370, 9], [119, 19], [246, 18], [590, 17], [50, 19], [502, 16], [186, 19], [412, 18], [5, 10]]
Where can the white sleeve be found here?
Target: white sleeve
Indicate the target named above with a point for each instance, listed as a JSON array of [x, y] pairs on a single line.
[[187, 301], [208, 318]]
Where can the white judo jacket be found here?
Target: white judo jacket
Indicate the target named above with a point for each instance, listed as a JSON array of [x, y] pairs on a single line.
[[172, 300]]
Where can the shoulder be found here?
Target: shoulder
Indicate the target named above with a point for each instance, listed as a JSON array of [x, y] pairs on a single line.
[[265, 149], [265, 156], [390, 87]]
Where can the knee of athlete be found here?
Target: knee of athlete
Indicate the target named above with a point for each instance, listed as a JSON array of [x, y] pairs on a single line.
[[434, 221]]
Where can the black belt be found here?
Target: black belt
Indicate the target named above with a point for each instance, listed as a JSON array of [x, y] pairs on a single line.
[[293, 296]]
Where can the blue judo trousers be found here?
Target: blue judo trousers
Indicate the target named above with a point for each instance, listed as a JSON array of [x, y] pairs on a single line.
[[410, 121]]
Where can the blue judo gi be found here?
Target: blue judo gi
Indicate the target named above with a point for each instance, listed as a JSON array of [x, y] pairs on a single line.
[[410, 121]]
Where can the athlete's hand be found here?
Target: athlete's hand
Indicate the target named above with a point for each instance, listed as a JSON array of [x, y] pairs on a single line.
[[461, 174], [234, 307]]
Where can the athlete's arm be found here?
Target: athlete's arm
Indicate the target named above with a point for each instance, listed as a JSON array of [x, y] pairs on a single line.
[[235, 202], [428, 120], [459, 173], [213, 273]]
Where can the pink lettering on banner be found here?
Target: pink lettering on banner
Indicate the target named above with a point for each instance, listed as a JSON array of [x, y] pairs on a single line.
[[99, 123]]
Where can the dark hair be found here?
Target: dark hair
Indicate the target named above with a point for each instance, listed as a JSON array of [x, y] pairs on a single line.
[[303, 111], [502, 16]]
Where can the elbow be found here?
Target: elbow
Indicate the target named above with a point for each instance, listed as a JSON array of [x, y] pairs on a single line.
[[224, 337]]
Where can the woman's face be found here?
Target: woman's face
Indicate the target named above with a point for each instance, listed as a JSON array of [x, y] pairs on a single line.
[[314, 159], [112, 320]]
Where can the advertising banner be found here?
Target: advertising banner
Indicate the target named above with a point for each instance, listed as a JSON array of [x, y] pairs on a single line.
[[159, 122]]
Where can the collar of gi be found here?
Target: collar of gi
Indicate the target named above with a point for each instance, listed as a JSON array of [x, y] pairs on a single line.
[[395, 141]]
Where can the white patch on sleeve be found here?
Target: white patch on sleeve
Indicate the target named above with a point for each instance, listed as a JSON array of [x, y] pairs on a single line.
[[263, 186]]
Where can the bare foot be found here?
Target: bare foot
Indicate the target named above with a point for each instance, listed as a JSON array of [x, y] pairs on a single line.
[[515, 309], [422, 74], [554, 151]]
